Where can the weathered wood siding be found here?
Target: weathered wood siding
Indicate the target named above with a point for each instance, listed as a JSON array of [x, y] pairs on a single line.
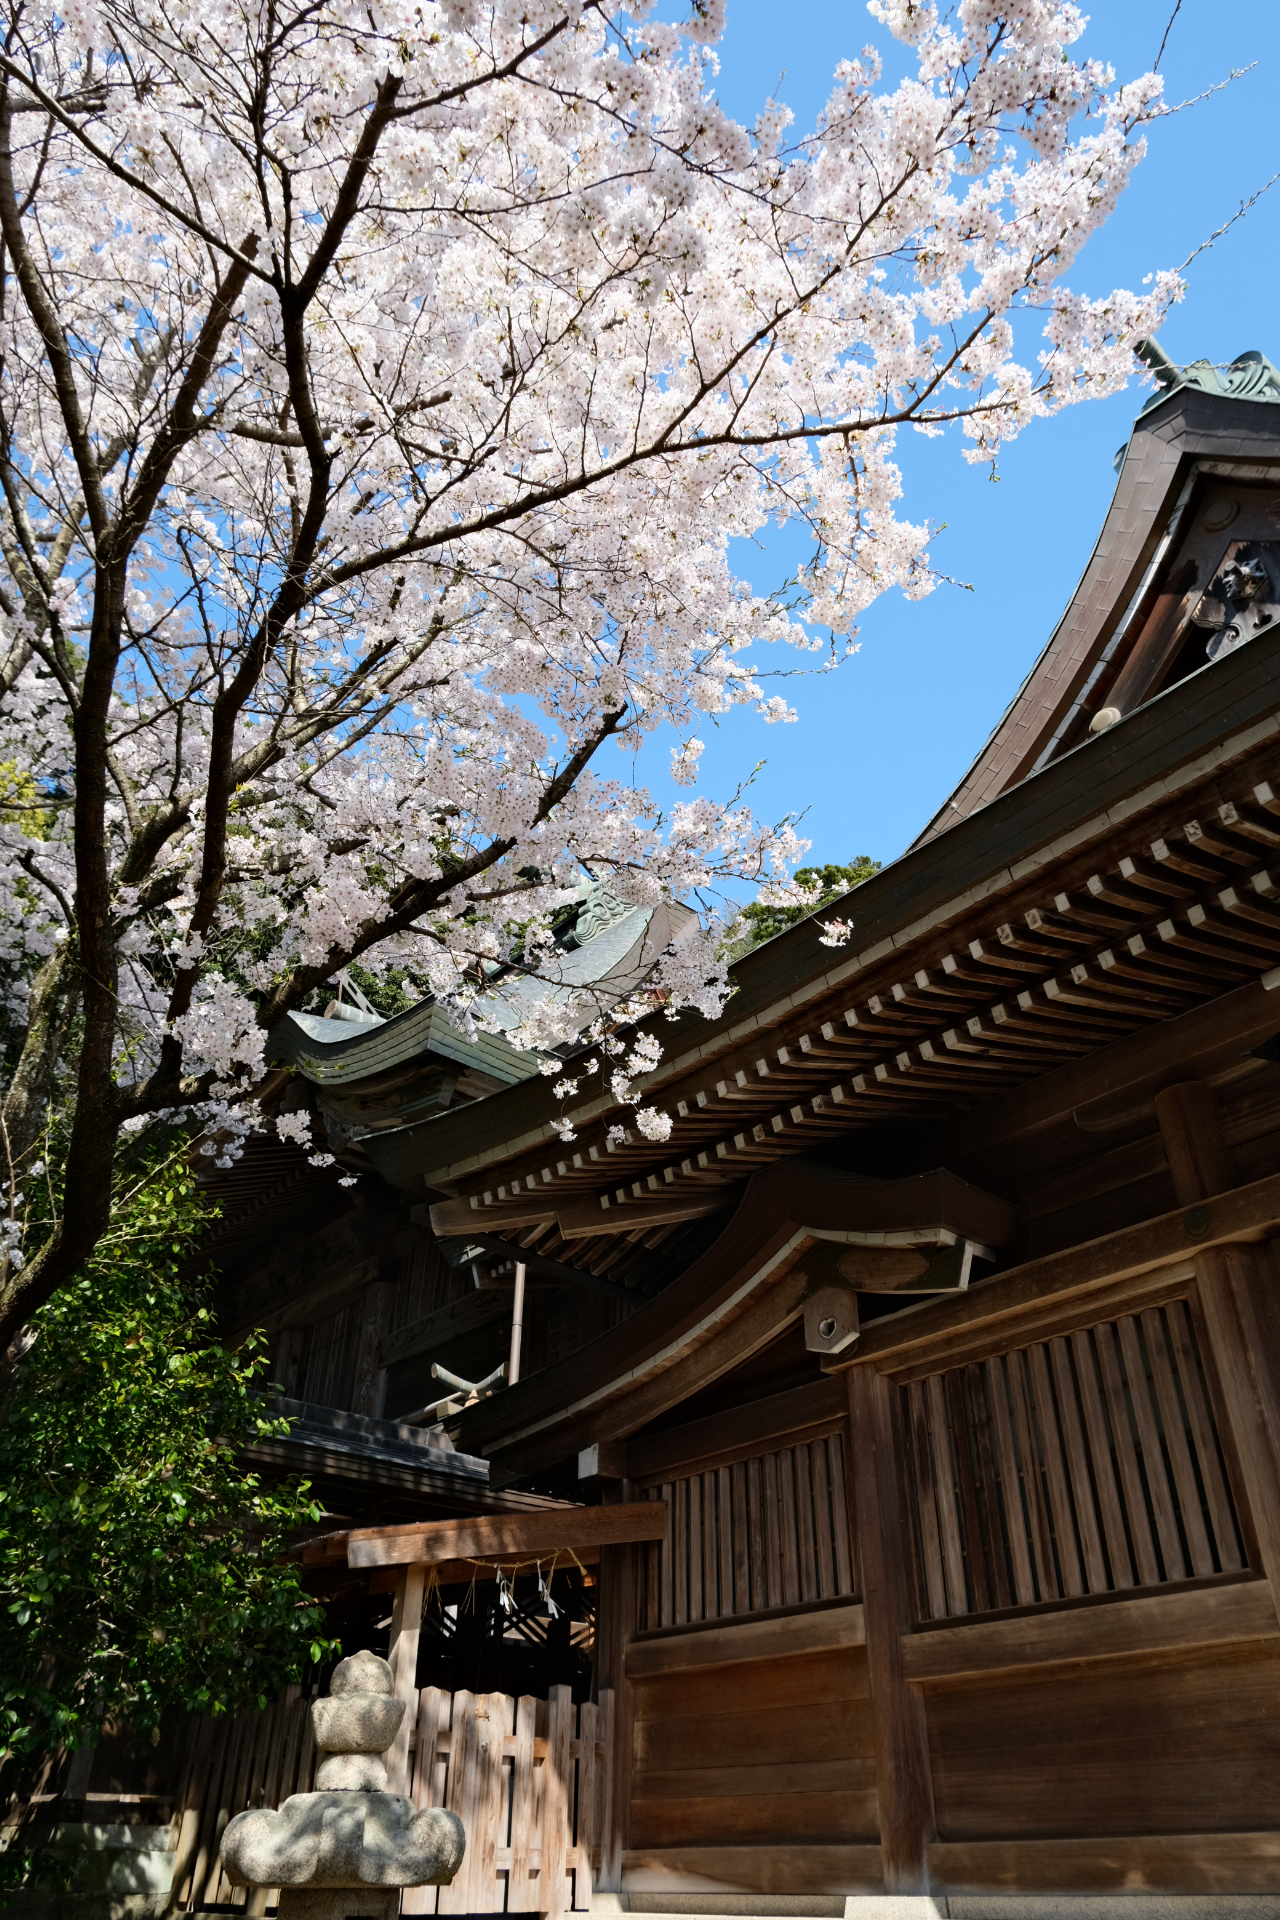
[[771, 1751], [1187, 1744]]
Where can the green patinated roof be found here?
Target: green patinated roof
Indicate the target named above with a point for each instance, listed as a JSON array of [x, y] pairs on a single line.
[[1250, 376], [337, 1057]]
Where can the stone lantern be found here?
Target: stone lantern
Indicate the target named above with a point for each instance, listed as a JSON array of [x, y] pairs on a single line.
[[344, 1851]]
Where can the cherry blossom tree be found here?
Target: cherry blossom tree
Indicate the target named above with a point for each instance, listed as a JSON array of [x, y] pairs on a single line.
[[382, 386]]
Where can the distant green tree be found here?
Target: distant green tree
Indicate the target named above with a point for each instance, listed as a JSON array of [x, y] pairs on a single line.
[[830, 881], [139, 1562]]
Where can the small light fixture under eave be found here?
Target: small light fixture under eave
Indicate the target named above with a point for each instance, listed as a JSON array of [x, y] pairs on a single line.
[[1105, 717]]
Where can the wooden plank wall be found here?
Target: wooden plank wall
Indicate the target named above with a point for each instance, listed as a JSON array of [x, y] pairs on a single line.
[[1082, 1465], [1187, 1744], [775, 1751], [762, 1533]]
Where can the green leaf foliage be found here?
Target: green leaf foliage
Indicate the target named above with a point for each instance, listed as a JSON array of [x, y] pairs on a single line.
[[831, 880], [139, 1561]]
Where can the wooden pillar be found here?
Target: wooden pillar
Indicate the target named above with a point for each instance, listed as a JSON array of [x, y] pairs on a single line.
[[406, 1625], [1237, 1288], [616, 1625], [370, 1381], [904, 1787]]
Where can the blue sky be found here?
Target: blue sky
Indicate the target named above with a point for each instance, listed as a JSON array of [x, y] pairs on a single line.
[[880, 744]]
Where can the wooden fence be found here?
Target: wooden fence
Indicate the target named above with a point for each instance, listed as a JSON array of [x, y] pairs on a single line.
[[763, 1533], [1073, 1466], [530, 1780]]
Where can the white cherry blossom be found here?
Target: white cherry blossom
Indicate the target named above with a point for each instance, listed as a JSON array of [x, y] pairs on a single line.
[[381, 387]]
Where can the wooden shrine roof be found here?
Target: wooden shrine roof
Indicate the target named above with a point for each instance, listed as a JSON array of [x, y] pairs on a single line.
[[1180, 443], [1109, 891]]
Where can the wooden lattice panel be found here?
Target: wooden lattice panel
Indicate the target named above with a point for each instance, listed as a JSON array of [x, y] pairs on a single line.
[[1076, 1466], [763, 1533]]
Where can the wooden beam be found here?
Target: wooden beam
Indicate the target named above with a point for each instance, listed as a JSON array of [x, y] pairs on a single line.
[[552, 1269], [1162, 633], [904, 1786], [1159, 1623], [603, 1213], [826, 1631], [1128, 1073], [502, 1535], [780, 1420], [448, 1218], [603, 1460], [457, 1573], [996, 1306]]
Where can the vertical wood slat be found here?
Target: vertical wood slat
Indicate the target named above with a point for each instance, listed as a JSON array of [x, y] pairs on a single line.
[[680, 1553], [541, 1731], [651, 1602], [741, 1561], [520, 1886], [804, 1523], [935, 1594], [433, 1716], [205, 1845], [973, 1535], [945, 1494], [1157, 1478], [666, 1597], [1041, 1535], [1123, 1571], [307, 1755], [787, 1524], [755, 1531], [190, 1807], [988, 1489], [697, 1610], [773, 1530], [1064, 1531], [557, 1810], [1010, 1485], [585, 1808], [1204, 1433], [1077, 1457], [724, 1538], [493, 1717], [710, 1536], [842, 1542], [235, 1789], [457, 1897], [1126, 1454], [822, 1520], [1175, 1437], [605, 1788]]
